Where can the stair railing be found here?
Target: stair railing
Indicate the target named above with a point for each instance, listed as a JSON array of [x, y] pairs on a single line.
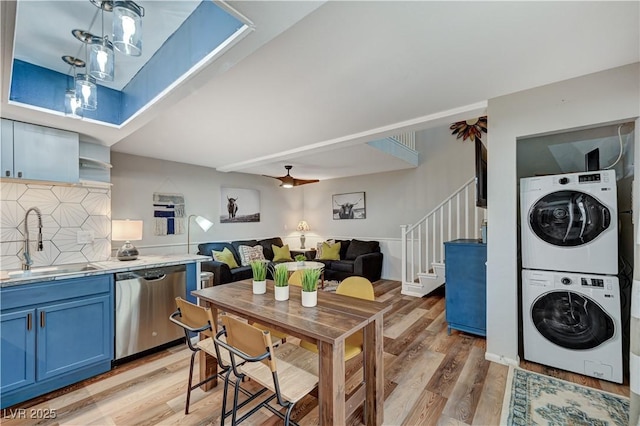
[[423, 242]]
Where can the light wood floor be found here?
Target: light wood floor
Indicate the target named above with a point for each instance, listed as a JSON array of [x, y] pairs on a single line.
[[431, 378]]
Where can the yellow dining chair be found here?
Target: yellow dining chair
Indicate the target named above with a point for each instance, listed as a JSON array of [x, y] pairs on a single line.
[[361, 288], [296, 278], [252, 355]]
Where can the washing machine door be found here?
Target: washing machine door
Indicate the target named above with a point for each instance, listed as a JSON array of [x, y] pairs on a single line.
[[569, 218], [571, 320]]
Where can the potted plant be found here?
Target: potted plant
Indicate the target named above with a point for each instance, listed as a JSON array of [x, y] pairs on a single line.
[[281, 281], [259, 269], [310, 286], [300, 258]]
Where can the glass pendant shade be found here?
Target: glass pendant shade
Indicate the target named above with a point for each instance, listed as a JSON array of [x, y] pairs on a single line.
[[127, 27], [72, 104], [87, 91], [101, 60]]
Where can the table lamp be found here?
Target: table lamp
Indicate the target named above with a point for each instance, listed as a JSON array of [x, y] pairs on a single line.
[[126, 230], [302, 227], [202, 222]]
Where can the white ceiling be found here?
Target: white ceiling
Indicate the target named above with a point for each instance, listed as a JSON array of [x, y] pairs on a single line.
[[314, 81]]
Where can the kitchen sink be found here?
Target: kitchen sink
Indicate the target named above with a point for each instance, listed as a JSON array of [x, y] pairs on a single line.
[[49, 271]]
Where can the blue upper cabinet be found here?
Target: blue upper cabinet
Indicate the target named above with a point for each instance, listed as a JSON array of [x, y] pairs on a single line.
[[38, 153], [465, 288]]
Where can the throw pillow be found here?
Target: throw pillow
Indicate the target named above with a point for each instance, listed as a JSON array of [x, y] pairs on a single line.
[[225, 256], [358, 248], [319, 248], [281, 253], [330, 252], [247, 254]]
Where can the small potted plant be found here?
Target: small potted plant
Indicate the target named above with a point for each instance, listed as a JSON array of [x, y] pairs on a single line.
[[310, 286], [281, 281], [259, 269], [300, 258]]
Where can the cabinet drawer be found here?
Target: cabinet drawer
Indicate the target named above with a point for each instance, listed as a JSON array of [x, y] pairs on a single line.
[[50, 291]]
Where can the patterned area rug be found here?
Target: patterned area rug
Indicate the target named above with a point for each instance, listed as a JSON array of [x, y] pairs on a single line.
[[330, 285], [535, 399]]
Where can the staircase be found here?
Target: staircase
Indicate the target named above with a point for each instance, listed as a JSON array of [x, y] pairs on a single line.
[[423, 242]]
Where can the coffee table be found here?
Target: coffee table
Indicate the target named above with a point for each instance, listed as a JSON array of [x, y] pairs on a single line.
[[307, 264]]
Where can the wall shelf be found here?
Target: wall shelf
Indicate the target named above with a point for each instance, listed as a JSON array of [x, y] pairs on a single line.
[[93, 163]]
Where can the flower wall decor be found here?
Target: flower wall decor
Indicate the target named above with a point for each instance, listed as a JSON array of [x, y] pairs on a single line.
[[470, 129]]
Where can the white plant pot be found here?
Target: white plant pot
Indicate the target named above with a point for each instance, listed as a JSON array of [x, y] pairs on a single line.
[[300, 262], [259, 287], [309, 298], [282, 293]]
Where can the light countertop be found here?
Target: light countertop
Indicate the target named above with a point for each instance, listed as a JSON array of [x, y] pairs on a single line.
[[111, 266]]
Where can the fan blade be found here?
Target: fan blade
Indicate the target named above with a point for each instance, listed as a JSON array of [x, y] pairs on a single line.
[[298, 182]]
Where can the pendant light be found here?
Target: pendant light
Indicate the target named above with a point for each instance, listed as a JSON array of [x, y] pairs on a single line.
[[86, 89], [102, 59], [127, 27], [72, 105]]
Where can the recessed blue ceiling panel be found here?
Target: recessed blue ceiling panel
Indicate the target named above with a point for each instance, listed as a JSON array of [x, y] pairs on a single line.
[[206, 29]]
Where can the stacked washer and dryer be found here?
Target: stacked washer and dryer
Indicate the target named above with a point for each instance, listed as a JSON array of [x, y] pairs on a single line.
[[570, 292]]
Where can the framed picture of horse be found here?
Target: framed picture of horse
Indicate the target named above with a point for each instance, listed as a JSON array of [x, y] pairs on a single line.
[[349, 206], [239, 205]]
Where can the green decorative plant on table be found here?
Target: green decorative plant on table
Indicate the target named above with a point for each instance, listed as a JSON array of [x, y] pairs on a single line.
[[300, 258], [281, 281], [310, 286], [259, 269]]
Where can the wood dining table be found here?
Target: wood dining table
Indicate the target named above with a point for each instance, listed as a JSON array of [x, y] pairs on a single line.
[[327, 324]]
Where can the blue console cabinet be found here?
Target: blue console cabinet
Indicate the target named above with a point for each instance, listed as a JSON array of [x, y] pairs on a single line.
[[53, 334], [465, 288]]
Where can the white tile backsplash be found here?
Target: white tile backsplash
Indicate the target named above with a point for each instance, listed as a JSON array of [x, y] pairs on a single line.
[[65, 211]]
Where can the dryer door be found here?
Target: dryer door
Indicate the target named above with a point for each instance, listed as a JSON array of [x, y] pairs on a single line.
[[569, 218], [571, 320]]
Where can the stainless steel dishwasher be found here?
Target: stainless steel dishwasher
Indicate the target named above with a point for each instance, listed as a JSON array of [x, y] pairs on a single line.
[[145, 299]]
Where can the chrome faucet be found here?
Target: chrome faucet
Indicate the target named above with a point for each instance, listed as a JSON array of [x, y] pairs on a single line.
[[27, 262]]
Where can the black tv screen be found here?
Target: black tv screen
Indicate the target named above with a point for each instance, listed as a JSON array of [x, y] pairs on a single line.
[[481, 174]]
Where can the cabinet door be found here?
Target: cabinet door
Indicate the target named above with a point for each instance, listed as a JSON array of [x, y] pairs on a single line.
[[18, 354], [6, 148], [74, 334], [43, 153], [465, 294]]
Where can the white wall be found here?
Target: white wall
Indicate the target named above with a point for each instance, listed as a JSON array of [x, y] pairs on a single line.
[[392, 199], [135, 179], [594, 99]]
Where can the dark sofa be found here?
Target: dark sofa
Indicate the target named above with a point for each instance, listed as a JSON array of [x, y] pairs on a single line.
[[363, 258], [357, 257], [222, 274]]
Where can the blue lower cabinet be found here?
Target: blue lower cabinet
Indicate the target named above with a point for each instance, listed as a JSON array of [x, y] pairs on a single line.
[[17, 349], [72, 335], [465, 286], [63, 335]]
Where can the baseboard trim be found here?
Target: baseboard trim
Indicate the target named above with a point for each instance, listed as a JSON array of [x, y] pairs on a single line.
[[501, 359]]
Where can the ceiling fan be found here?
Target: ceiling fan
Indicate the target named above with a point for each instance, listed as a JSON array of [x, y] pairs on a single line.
[[289, 181]]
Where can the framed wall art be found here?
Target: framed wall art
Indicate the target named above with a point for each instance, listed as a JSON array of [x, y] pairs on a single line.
[[168, 213], [239, 205], [349, 206]]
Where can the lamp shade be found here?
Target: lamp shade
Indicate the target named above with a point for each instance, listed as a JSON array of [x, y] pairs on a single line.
[[101, 61], [303, 226], [87, 91], [126, 230], [127, 27], [203, 223]]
